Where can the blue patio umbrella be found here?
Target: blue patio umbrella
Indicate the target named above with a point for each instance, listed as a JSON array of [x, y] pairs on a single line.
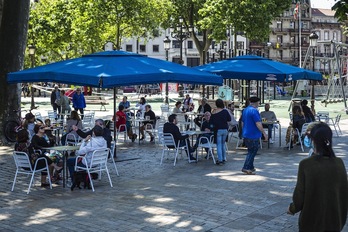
[[114, 68], [252, 67]]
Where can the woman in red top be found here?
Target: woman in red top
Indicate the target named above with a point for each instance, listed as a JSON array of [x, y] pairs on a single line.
[[121, 119]]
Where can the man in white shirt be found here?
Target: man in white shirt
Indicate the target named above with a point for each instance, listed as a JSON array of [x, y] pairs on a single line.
[[268, 117]]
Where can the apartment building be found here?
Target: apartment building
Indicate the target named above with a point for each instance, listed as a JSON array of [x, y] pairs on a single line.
[[289, 37], [154, 47], [288, 40]]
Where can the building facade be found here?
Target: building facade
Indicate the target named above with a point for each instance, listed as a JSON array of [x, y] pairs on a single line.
[[288, 40], [155, 48]]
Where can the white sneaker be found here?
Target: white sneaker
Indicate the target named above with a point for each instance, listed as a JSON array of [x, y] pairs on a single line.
[[271, 141]]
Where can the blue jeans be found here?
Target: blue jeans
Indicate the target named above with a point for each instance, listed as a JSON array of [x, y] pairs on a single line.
[[220, 144], [270, 128], [253, 146], [71, 166]]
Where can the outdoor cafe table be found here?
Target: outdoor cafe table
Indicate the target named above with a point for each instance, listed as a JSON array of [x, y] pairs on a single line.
[[64, 150], [139, 121]]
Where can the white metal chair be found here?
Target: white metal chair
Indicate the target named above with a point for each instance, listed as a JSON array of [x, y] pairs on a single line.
[[52, 115], [164, 110], [23, 166], [160, 134], [71, 139], [323, 116], [170, 145], [122, 129], [336, 124], [209, 144], [300, 134], [87, 121], [38, 116], [97, 165], [183, 123], [112, 149]]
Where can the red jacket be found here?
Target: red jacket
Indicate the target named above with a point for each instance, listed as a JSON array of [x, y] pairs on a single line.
[[122, 118]]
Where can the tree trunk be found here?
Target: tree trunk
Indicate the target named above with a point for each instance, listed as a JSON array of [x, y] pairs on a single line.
[[13, 39]]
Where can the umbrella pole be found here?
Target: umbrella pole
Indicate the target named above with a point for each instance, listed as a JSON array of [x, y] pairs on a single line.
[[113, 113]]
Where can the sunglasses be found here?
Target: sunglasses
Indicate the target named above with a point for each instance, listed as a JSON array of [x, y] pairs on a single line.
[[42, 127]]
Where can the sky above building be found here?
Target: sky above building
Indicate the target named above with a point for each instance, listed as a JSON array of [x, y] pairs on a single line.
[[323, 4]]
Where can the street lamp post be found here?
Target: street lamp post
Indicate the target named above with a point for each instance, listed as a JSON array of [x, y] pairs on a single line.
[[166, 44], [313, 39], [181, 33], [32, 50]]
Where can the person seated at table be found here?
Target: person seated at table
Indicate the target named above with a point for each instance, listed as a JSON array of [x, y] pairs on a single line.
[[232, 125], [203, 107], [98, 122], [121, 119], [89, 144], [188, 104], [208, 128], [268, 116], [152, 120], [298, 119], [172, 128], [29, 123], [177, 108], [125, 103], [141, 105], [74, 119], [40, 140], [307, 111], [23, 144], [48, 130]]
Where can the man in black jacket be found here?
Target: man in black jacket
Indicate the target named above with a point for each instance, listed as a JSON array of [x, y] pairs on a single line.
[[98, 122], [172, 128], [152, 120], [203, 107]]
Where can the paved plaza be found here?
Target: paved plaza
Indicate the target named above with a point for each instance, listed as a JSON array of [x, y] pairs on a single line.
[[150, 197]]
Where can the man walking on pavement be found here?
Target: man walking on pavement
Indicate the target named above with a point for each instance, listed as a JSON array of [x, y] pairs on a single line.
[[252, 131]]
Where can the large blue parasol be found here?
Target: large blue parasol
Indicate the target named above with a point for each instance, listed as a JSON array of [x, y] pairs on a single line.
[[252, 67], [114, 68]]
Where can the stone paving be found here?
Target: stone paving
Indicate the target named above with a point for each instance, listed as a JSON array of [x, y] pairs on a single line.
[[148, 196]]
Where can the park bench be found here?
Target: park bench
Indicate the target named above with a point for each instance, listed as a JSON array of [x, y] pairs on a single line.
[[97, 100]]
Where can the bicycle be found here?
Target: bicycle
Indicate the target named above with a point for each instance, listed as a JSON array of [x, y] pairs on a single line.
[[13, 125]]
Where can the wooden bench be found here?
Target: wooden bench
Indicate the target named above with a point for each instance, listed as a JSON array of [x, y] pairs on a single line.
[[96, 100]]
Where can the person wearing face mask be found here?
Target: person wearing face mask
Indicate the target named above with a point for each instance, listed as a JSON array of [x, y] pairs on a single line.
[[307, 141], [88, 146], [322, 188]]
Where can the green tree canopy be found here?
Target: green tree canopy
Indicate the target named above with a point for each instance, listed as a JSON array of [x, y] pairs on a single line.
[[341, 8], [69, 28], [212, 18]]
